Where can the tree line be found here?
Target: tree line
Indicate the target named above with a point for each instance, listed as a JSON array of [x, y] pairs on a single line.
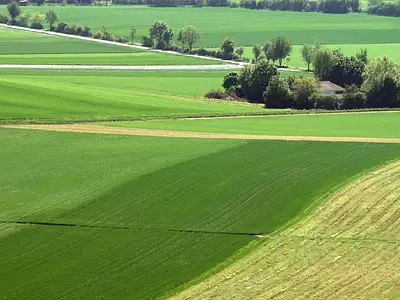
[[368, 84]]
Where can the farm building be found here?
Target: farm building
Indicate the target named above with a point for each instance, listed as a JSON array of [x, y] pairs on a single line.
[[327, 87]]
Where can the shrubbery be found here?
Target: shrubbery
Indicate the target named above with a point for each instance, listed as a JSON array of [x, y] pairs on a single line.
[[3, 19], [390, 9]]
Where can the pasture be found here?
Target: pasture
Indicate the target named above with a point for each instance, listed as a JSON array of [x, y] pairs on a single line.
[[137, 217], [381, 124], [85, 94], [351, 32], [20, 47], [349, 246]]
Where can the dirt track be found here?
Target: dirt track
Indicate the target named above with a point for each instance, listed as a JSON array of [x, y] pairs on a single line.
[[90, 128]]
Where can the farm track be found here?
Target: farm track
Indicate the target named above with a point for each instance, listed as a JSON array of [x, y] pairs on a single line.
[[90, 128], [347, 248]]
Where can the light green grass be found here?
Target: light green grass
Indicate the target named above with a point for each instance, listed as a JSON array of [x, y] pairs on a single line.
[[20, 42], [85, 94], [145, 58], [19, 47], [386, 125], [246, 27], [374, 50], [155, 184]]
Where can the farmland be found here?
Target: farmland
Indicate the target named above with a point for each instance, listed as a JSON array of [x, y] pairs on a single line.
[[104, 201], [349, 246], [122, 184], [19, 47], [385, 125], [83, 94], [350, 32]]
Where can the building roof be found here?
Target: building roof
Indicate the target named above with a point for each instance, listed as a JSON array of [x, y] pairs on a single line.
[[330, 87]]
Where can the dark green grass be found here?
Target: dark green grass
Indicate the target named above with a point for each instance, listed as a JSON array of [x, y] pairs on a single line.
[[84, 94], [379, 124], [246, 27], [155, 184], [20, 42]]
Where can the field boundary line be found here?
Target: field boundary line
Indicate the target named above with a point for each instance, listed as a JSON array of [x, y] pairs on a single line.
[[41, 223], [52, 33], [112, 67], [91, 128]]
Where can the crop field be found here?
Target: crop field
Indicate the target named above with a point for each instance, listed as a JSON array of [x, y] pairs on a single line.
[[385, 125], [349, 246], [380, 35], [100, 93], [19, 47], [95, 226]]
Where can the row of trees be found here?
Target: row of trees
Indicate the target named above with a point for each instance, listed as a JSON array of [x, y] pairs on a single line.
[[277, 49], [380, 88]]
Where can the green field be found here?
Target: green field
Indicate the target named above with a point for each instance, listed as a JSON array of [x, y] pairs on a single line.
[[100, 93], [19, 47], [246, 27], [127, 193], [340, 125]]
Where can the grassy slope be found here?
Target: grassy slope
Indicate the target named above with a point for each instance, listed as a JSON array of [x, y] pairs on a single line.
[[20, 42], [139, 182], [71, 93], [246, 27], [19, 47], [346, 249], [353, 125]]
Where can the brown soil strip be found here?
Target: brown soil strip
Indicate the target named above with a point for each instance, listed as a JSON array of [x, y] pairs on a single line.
[[90, 128]]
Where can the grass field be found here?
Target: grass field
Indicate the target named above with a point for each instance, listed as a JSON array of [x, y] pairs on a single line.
[[80, 94], [348, 248], [340, 125], [126, 193], [246, 27], [19, 47]]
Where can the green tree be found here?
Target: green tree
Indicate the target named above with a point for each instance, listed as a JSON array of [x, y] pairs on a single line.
[[323, 62], [303, 88], [266, 47], [277, 94], [352, 98], [132, 34], [14, 10], [254, 79], [189, 35], [231, 81], [160, 31], [227, 48], [280, 48], [51, 17], [257, 52], [308, 52], [239, 51], [362, 56]]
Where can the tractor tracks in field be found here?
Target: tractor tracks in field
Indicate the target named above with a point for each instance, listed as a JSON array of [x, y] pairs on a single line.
[[99, 129], [75, 225]]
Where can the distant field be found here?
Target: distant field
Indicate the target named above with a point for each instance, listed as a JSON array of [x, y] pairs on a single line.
[[19, 47], [341, 125], [20, 42], [129, 192], [98, 93], [246, 27]]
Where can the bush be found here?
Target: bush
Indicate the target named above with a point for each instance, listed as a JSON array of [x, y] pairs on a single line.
[[147, 41], [321, 101], [390, 9], [231, 81], [162, 45], [98, 35], [71, 29], [303, 88], [61, 27], [277, 94], [334, 6], [216, 95], [3, 19], [36, 26], [352, 98]]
